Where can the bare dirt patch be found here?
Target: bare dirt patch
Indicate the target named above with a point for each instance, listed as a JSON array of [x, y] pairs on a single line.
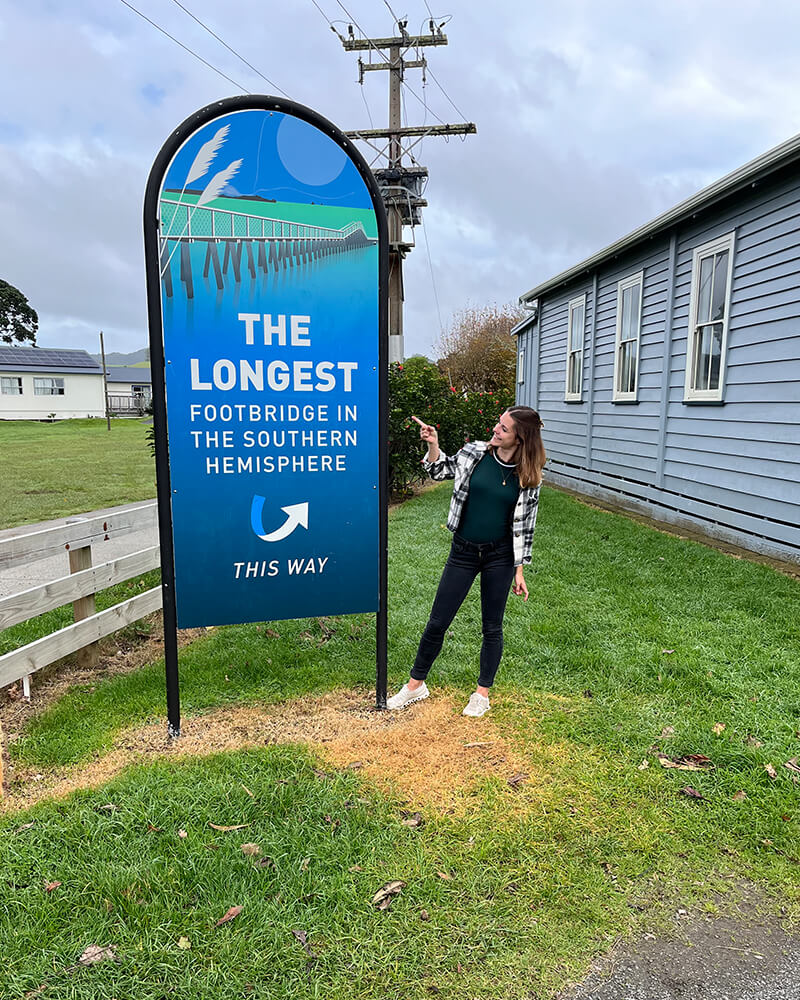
[[430, 752]]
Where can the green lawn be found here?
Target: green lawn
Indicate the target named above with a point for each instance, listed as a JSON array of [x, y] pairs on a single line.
[[628, 631], [72, 466], [51, 621]]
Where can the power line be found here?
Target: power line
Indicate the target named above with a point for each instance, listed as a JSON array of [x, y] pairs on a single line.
[[380, 53], [425, 99], [229, 48], [341, 38], [388, 7], [424, 103], [400, 184], [433, 279], [366, 105], [384, 57], [449, 98], [185, 47], [325, 16]]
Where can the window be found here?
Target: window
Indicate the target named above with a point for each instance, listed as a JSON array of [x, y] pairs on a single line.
[[520, 367], [575, 324], [712, 268], [48, 387], [629, 324], [10, 385]]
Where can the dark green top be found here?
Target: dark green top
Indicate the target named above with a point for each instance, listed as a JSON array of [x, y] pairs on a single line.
[[490, 504]]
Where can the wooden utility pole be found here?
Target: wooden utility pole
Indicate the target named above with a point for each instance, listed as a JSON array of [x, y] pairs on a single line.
[[105, 380], [400, 185]]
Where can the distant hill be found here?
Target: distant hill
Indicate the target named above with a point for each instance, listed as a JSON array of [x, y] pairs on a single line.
[[137, 359]]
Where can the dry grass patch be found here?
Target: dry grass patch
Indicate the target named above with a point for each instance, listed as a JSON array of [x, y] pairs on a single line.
[[430, 752]]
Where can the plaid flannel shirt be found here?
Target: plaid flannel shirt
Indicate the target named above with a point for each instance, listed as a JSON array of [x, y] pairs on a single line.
[[460, 467]]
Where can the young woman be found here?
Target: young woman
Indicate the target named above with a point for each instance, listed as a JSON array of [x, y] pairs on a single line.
[[492, 515]]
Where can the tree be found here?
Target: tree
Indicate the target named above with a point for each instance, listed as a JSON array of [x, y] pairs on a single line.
[[477, 352], [18, 321]]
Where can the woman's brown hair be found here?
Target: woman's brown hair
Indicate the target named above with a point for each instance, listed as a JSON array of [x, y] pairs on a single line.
[[530, 455]]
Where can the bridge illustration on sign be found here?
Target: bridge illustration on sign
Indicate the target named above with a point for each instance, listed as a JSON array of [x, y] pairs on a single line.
[[264, 242], [187, 218], [296, 516]]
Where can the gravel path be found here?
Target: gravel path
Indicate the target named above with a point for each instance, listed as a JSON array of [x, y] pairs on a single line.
[[739, 957]]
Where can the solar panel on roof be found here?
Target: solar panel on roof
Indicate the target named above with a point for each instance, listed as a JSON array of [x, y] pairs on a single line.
[[64, 357], [47, 357]]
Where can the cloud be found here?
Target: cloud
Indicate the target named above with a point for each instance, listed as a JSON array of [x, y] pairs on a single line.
[[592, 119]]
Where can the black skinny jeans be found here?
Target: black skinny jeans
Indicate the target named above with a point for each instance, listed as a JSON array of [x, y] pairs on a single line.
[[495, 563]]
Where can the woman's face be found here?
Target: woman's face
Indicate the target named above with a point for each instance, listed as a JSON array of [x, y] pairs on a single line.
[[505, 433]]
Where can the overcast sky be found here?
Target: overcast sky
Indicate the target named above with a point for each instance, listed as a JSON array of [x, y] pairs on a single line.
[[592, 118]]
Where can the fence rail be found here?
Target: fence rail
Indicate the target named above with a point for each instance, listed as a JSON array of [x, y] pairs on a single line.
[[22, 662], [80, 587], [77, 533]]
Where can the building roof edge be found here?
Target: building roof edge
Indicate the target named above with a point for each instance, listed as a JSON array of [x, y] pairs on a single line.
[[749, 173]]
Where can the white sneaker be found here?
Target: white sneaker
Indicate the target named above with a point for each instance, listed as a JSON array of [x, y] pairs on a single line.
[[404, 697], [477, 706]]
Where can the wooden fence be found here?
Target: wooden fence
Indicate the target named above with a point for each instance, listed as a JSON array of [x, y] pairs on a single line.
[[80, 586]]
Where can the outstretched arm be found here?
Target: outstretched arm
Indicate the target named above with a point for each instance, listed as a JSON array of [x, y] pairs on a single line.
[[430, 436]]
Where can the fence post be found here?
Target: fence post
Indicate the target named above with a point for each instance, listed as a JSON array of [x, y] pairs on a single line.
[[80, 559]]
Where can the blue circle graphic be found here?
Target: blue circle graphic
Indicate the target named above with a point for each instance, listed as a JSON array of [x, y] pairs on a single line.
[[308, 154]]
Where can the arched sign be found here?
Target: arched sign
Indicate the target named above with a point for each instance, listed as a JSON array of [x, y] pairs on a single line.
[[265, 241]]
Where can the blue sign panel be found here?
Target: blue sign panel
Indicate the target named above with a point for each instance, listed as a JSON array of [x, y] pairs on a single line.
[[268, 239]]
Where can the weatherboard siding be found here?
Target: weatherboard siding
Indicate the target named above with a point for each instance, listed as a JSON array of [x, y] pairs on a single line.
[[739, 454], [566, 423], [734, 467], [83, 397], [625, 435]]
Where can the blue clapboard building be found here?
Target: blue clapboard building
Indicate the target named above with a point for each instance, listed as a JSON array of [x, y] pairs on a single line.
[[666, 367]]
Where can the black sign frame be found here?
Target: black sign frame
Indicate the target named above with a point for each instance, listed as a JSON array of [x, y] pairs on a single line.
[[157, 365]]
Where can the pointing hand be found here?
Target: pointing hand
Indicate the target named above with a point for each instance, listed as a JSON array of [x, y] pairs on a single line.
[[426, 432]]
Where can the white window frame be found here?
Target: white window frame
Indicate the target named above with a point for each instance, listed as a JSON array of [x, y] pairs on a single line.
[[690, 393], [521, 367], [7, 390], [620, 396], [576, 397], [55, 386]]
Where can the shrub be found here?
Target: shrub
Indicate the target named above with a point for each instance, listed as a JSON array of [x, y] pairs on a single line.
[[418, 388]]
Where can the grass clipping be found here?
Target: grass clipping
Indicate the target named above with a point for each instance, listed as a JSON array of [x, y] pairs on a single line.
[[429, 752]]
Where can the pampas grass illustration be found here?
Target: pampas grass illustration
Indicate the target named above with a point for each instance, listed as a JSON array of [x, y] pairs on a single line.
[[200, 165], [209, 192], [205, 155], [217, 183]]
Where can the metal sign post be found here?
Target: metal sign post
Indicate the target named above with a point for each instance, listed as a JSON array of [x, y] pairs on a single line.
[[266, 251]]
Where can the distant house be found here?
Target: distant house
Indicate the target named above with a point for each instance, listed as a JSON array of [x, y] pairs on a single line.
[[666, 367], [129, 390], [38, 383]]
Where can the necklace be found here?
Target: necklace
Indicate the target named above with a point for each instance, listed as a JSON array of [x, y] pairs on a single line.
[[510, 469]]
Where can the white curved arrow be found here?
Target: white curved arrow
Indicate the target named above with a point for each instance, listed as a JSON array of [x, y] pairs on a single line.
[[296, 515]]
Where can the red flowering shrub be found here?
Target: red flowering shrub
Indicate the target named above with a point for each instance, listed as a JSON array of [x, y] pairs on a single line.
[[418, 388]]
